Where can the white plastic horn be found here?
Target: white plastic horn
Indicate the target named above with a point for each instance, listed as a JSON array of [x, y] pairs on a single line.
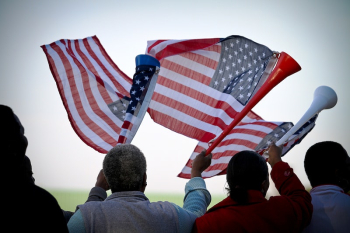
[[324, 98]]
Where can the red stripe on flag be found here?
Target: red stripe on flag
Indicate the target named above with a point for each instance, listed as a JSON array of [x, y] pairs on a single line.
[[121, 139], [214, 48], [260, 123], [127, 125], [253, 115], [237, 141], [254, 132], [185, 46]]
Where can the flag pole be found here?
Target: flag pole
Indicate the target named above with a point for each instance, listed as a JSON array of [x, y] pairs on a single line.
[[285, 67]]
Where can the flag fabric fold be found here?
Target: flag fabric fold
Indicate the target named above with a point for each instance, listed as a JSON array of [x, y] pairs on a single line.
[[95, 92]]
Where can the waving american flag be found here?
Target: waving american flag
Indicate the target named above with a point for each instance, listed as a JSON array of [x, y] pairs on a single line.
[[104, 106], [202, 85]]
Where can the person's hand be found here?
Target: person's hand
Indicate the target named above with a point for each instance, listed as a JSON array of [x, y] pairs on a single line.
[[275, 153], [200, 163], [101, 181]]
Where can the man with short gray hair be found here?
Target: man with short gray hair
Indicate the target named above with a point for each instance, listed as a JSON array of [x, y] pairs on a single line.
[[127, 209], [125, 168]]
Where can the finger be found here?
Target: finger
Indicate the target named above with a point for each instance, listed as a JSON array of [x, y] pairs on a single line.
[[210, 155]]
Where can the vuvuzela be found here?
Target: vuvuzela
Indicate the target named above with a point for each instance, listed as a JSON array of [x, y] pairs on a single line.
[[285, 66], [324, 98]]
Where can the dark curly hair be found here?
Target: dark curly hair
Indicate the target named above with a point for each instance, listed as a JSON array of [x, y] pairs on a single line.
[[322, 160], [246, 171]]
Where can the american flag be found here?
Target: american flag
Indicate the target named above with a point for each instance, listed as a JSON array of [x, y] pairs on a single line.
[[95, 92], [203, 84]]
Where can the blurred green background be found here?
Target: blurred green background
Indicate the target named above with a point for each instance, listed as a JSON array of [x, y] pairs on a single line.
[[68, 199]]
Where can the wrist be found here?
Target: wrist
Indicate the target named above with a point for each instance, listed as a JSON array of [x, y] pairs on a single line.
[[273, 163], [195, 173]]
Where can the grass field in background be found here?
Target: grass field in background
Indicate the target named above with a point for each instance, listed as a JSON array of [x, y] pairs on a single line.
[[68, 199]]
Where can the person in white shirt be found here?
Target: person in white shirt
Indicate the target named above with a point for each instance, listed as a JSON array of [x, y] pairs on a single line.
[[327, 165]]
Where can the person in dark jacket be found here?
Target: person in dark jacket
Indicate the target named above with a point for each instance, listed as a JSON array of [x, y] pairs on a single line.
[[327, 165], [30, 208], [247, 210]]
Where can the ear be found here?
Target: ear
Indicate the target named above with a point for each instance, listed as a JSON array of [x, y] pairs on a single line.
[[144, 182], [343, 179], [265, 186]]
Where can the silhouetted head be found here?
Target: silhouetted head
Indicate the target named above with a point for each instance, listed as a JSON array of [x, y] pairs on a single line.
[[124, 167], [328, 163], [27, 170], [247, 170], [12, 140]]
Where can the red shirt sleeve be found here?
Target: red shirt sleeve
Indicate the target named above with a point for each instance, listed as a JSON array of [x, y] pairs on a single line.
[[290, 187]]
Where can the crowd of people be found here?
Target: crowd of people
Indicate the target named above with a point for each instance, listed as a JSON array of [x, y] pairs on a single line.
[[326, 208]]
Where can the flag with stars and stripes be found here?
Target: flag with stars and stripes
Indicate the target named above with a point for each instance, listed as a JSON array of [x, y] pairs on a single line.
[[105, 107], [203, 84]]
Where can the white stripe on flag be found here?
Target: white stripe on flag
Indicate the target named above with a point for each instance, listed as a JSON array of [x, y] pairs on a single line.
[[209, 54], [182, 61]]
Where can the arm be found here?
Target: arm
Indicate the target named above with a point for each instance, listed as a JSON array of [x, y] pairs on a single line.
[[197, 197], [98, 193], [76, 223], [289, 186]]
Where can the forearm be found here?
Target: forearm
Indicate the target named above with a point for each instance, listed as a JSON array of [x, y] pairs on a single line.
[[289, 185], [97, 194], [196, 201], [76, 223], [197, 197]]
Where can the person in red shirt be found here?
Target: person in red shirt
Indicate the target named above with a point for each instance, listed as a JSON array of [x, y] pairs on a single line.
[[247, 210]]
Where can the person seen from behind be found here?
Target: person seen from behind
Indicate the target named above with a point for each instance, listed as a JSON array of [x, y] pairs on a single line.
[[26, 206], [128, 209], [247, 210], [327, 165]]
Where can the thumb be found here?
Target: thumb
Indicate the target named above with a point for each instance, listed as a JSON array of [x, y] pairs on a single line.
[[210, 156]]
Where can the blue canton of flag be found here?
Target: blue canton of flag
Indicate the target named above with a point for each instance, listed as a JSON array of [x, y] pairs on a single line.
[[131, 110], [279, 132], [241, 67], [139, 87], [132, 104]]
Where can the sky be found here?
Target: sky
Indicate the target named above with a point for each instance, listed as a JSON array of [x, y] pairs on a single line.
[[314, 33]]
